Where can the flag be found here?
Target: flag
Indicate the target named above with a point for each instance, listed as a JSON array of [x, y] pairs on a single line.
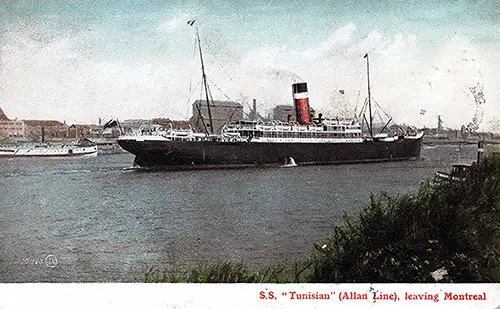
[[110, 124], [191, 22], [366, 55]]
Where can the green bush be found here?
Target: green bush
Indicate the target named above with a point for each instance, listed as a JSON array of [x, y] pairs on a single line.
[[452, 226]]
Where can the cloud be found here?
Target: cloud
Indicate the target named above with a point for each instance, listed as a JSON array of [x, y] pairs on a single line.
[[336, 63], [335, 43], [58, 81], [176, 21], [68, 79], [403, 78], [456, 67]]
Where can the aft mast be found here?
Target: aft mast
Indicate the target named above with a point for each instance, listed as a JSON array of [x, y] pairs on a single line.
[[369, 94], [204, 77]]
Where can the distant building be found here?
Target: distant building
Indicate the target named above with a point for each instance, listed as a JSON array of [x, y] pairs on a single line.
[[52, 128], [286, 113], [32, 129], [222, 113], [12, 128], [3, 116], [133, 125], [80, 131], [176, 124]]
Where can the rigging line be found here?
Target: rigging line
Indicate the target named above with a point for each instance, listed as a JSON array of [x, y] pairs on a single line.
[[374, 58], [210, 93], [363, 109], [201, 90], [245, 103], [232, 80], [377, 112], [359, 90], [189, 99], [211, 99], [219, 89], [234, 111], [191, 93], [365, 121], [244, 113], [376, 103], [231, 116], [244, 100]]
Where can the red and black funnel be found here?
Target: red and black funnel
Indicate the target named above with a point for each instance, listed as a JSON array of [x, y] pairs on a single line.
[[301, 102]]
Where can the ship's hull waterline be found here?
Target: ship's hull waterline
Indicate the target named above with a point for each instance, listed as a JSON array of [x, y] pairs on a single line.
[[181, 155]]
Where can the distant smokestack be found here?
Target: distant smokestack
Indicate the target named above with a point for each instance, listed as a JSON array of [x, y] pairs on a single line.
[[480, 151], [254, 109], [301, 102]]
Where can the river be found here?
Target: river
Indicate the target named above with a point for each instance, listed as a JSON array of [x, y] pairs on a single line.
[[91, 220]]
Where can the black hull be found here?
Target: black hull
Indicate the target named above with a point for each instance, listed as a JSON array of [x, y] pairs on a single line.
[[201, 155]]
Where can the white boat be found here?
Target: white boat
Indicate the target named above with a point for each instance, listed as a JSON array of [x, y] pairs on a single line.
[[80, 148], [290, 162]]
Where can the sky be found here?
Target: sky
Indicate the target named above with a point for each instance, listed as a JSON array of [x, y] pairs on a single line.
[[81, 60]]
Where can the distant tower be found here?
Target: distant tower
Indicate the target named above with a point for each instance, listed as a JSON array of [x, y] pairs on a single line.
[[440, 125], [463, 132]]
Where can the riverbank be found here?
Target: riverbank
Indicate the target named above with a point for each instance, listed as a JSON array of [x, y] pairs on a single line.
[[432, 140]]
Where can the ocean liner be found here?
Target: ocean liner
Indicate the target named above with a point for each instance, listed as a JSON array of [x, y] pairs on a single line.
[[306, 141]]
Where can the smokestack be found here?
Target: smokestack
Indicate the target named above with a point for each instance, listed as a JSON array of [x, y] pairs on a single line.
[[301, 102], [254, 109]]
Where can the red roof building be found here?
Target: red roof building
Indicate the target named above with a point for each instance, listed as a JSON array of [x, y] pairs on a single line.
[[2, 115]]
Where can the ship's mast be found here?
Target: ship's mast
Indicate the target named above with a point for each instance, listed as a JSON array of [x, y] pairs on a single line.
[[204, 76], [369, 94]]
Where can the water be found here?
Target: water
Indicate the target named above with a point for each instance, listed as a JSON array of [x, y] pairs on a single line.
[[106, 224]]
